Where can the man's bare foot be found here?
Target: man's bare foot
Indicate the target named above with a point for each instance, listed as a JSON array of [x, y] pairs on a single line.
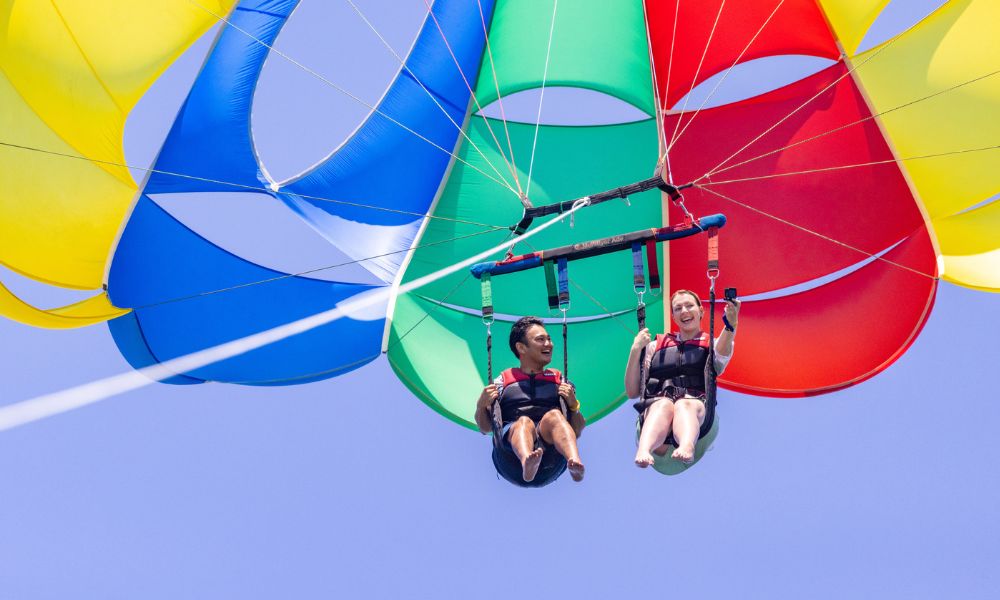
[[684, 453], [643, 459], [529, 468], [575, 469]]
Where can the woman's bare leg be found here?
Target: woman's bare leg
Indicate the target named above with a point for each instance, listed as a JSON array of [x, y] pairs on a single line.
[[556, 430], [689, 414], [522, 439], [655, 428]]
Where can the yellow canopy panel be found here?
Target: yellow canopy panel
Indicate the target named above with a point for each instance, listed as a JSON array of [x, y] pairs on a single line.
[[949, 65], [70, 72], [954, 46]]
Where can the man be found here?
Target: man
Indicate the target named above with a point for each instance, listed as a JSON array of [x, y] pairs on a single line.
[[539, 412]]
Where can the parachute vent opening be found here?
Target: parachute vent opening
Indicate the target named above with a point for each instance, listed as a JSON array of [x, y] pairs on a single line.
[[565, 106], [750, 79], [896, 18], [298, 119], [263, 231]]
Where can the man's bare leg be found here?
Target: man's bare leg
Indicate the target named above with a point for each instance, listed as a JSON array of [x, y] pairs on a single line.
[[556, 430], [688, 417], [522, 436], [655, 427]]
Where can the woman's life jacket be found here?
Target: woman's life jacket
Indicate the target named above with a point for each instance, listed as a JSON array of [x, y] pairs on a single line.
[[529, 395], [677, 364]]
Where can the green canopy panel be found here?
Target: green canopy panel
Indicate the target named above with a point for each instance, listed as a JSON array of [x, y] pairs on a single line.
[[437, 339], [596, 44]]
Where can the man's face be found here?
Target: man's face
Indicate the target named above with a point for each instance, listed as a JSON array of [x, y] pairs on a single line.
[[536, 346]]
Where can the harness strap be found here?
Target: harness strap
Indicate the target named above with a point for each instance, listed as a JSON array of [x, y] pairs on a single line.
[[563, 273], [654, 267], [638, 273], [550, 284], [486, 287], [713, 252]]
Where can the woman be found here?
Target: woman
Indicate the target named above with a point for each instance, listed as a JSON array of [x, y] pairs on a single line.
[[670, 382]]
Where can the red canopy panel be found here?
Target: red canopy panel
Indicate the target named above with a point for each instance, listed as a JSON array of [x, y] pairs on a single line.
[[868, 208], [798, 27], [838, 334]]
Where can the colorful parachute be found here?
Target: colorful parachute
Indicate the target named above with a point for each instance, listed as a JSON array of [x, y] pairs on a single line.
[[848, 193]]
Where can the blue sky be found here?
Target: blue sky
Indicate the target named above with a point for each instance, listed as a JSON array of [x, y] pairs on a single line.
[[353, 488]]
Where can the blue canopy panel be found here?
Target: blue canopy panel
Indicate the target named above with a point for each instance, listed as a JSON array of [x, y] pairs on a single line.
[[383, 163], [211, 137], [159, 260]]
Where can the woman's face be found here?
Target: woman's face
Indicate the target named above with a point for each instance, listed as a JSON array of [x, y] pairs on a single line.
[[687, 314]]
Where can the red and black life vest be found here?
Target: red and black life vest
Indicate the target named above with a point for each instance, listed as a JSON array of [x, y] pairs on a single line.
[[680, 364], [529, 395]]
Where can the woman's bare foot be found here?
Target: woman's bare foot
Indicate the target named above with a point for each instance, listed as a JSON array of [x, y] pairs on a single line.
[[684, 453], [529, 467], [575, 469], [643, 459]]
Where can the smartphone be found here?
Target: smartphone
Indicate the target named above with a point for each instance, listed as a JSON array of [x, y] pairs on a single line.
[[730, 294]]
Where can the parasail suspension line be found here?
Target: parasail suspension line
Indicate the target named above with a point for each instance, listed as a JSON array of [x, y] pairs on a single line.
[[430, 95], [541, 97], [496, 84]]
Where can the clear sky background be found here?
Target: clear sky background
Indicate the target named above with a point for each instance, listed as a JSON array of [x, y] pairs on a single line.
[[353, 488]]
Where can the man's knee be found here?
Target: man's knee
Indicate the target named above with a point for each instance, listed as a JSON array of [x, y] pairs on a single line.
[[523, 424], [553, 418]]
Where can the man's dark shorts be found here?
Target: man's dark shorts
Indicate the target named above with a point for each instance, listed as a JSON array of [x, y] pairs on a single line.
[[509, 466]]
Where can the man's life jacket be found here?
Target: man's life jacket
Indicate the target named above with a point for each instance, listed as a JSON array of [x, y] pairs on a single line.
[[680, 364], [529, 395]]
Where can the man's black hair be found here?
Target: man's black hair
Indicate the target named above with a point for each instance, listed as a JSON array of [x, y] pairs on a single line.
[[520, 328]]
